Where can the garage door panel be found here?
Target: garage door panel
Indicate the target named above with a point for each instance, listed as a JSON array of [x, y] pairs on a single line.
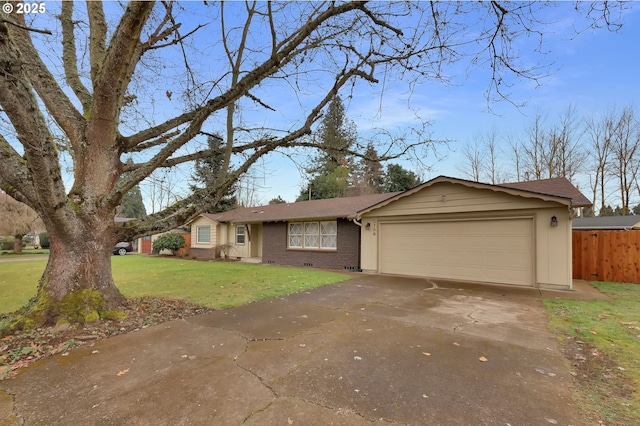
[[497, 251]]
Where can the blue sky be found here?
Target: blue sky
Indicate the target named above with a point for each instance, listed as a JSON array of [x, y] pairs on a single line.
[[594, 71]]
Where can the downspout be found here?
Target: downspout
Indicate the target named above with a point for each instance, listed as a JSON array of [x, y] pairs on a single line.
[[355, 221]]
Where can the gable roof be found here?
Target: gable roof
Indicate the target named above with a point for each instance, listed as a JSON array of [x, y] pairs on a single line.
[[559, 186], [558, 190], [606, 222], [331, 208]]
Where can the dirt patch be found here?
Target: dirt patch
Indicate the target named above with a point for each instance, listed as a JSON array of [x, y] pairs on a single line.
[[603, 391], [20, 349]]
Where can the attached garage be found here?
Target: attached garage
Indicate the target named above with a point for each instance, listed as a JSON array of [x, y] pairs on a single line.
[[494, 250], [455, 229]]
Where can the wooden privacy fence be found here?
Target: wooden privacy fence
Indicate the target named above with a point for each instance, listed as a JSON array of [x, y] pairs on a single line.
[[606, 255]]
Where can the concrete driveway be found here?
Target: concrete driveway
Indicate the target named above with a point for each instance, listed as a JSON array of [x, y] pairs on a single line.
[[375, 350]]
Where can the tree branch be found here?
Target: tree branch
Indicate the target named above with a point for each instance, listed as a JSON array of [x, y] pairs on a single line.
[[97, 38], [24, 27], [55, 99], [119, 59], [42, 184], [14, 175], [70, 58]]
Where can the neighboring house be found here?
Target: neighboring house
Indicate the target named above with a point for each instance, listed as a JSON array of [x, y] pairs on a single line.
[[145, 244], [619, 223], [447, 228], [607, 248], [317, 233]]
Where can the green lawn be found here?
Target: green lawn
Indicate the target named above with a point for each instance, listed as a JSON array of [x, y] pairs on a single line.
[[27, 251], [608, 367], [214, 284]]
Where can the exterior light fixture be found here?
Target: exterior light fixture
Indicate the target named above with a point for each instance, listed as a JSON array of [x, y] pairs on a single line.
[[443, 197], [554, 221], [367, 226]]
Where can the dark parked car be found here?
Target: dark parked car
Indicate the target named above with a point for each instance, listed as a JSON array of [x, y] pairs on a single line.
[[123, 248]]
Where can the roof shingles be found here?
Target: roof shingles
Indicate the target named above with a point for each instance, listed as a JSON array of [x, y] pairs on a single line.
[[348, 207], [559, 187], [315, 209]]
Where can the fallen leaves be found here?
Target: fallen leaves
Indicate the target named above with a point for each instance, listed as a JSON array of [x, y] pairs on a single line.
[[483, 359], [22, 348], [122, 372]]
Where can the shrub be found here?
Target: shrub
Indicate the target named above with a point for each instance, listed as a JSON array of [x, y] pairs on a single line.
[[6, 243], [44, 240], [169, 241]]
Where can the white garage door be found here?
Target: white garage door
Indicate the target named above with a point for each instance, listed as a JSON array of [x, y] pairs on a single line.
[[493, 251]]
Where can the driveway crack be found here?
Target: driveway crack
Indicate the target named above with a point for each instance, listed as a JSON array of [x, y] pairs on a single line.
[[8, 414], [471, 321]]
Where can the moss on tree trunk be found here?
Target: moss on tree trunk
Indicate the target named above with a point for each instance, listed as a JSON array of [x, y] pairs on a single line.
[[76, 287]]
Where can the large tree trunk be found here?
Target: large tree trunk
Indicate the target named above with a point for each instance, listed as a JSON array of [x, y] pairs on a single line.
[[17, 244], [77, 284]]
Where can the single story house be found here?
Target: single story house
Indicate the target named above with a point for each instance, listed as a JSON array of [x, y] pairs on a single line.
[[448, 228], [620, 223], [316, 233]]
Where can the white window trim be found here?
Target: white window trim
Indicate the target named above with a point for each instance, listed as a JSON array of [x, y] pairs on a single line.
[[198, 241], [302, 236], [244, 235]]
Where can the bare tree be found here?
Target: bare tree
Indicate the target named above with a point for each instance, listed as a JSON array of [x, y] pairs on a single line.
[[554, 151], [535, 152], [247, 191], [474, 156], [490, 143], [600, 135], [626, 152], [132, 83], [516, 150], [162, 189], [570, 155]]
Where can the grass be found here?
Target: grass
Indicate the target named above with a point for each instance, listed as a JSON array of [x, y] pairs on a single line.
[[605, 337], [26, 252], [216, 285]]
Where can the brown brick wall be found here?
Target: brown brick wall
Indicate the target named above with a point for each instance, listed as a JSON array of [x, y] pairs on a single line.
[[201, 253], [347, 255]]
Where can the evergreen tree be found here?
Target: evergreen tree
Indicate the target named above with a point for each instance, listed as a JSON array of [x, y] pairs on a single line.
[[336, 134], [332, 185], [277, 200], [398, 178], [132, 204], [330, 170], [368, 175], [207, 173]]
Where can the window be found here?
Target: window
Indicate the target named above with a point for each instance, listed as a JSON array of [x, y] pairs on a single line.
[[240, 235], [203, 234], [311, 231], [313, 235], [295, 235], [328, 235]]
